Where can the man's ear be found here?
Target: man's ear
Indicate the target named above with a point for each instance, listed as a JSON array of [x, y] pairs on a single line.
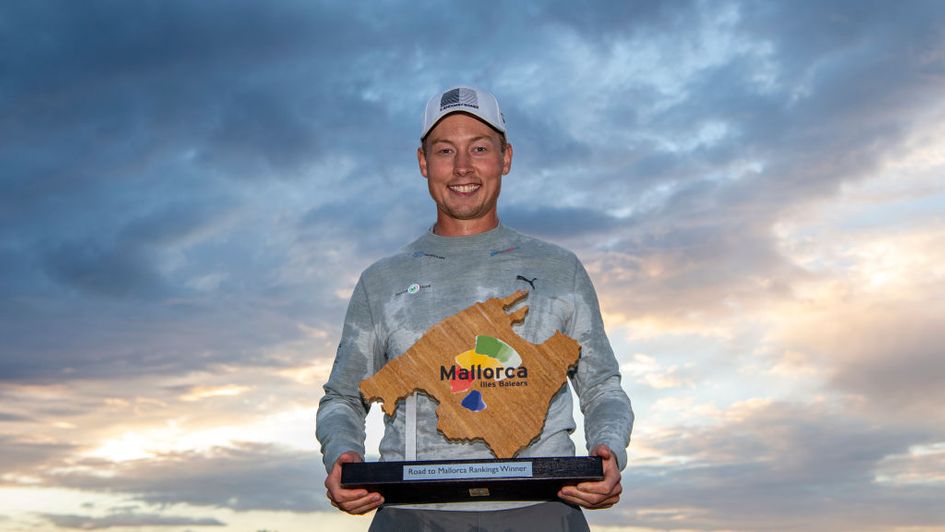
[[422, 161], [506, 159]]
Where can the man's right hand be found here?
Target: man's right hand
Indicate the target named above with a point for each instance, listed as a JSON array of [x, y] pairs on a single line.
[[357, 501]]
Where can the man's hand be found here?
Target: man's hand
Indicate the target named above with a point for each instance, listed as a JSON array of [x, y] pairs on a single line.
[[356, 501], [596, 495]]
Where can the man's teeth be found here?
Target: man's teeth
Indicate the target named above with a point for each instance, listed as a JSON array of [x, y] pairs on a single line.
[[464, 188]]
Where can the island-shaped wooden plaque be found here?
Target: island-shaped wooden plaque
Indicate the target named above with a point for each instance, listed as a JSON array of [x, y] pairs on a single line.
[[492, 386]]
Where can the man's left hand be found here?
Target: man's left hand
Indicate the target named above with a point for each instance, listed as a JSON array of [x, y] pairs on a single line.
[[601, 494]]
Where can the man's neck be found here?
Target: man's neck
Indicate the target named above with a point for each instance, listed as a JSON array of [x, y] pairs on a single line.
[[450, 227]]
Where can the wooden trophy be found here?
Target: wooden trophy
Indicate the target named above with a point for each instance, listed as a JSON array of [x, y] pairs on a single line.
[[491, 385]]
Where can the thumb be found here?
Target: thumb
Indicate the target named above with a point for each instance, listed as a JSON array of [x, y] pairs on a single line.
[[345, 458], [348, 458], [602, 451]]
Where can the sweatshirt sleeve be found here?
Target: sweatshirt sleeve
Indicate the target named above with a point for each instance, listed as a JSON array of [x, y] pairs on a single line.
[[339, 423], [608, 416]]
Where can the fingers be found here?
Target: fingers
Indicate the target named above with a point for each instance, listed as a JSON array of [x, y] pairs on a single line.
[[604, 487], [595, 495], [354, 501], [592, 495], [590, 505], [608, 486]]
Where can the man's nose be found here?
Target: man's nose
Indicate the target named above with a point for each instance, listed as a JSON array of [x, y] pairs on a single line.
[[462, 164]]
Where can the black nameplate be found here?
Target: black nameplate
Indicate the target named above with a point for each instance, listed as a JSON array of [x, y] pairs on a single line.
[[515, 479]]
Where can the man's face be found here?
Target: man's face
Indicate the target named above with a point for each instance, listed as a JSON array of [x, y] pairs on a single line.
[[464, 164]]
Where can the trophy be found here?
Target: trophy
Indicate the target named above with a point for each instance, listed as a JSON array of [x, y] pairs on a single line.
[[491, 385]]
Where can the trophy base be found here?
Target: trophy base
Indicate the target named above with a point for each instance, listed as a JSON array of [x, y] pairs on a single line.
[[516, 479]]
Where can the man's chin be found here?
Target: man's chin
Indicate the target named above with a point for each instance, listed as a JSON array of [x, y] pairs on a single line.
[[483, 219], [465, 213]]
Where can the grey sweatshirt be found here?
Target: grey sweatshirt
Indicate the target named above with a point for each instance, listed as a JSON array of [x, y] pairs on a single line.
[[399, 297]]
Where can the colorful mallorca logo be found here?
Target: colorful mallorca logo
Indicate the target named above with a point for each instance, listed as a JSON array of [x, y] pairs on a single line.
[[492, 362]]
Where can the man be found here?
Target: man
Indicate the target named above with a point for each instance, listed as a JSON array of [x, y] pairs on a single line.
[[467, 257]]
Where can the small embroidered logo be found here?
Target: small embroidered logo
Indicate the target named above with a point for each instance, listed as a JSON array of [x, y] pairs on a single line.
[[414, 288], [527, 280], [495, 252], [418, 254], [461, 97]]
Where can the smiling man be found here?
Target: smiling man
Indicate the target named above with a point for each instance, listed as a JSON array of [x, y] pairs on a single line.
[[464, 159], [468, 256]]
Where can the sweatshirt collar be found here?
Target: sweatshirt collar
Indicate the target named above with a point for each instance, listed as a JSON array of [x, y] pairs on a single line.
[[486, 240]]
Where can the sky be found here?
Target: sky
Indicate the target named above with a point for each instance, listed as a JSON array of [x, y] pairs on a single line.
[[190, 190]]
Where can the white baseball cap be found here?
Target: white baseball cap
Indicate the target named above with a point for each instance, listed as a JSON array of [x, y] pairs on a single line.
[[461, 99]]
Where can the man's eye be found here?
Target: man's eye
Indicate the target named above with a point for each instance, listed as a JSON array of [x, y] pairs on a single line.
[[444, 151], [480, 149]]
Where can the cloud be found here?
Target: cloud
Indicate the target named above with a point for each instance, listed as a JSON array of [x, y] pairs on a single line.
[[244, 477], [21, 455], [128, 264], [126, 519], [133, 341], [715, 204], [380, 224], [865, 317], [921, 466], [561, 222], [890, 355], [684, 169], [764, 463], [112, 272]]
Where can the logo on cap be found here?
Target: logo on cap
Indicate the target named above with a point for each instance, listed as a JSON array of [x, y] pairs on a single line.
[[459, 97]]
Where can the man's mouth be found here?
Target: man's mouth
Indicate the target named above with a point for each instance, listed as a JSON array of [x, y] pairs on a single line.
[[464, 189]]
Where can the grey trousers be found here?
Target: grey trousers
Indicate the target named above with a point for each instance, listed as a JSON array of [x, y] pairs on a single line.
[[547, 516]]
